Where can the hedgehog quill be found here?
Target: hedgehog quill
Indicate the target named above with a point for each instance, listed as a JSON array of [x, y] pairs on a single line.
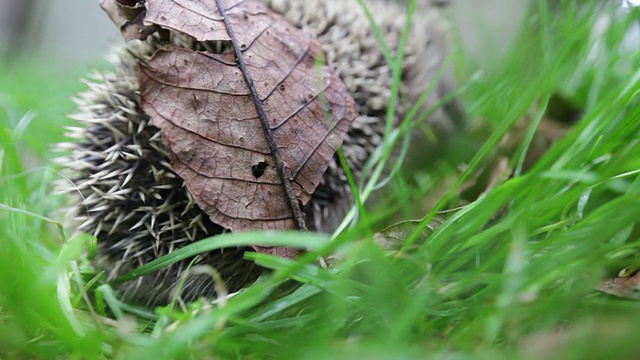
[[127, 193]]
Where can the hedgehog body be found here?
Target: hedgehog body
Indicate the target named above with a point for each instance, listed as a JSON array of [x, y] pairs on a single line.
[[127, 195]]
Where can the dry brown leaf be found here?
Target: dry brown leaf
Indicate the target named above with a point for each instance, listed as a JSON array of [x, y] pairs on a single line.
[[627, 284], [242, 175]]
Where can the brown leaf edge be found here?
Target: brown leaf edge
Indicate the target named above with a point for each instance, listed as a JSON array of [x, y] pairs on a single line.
[[129, 16]]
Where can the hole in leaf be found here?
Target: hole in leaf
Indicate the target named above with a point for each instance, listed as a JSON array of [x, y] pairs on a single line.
[[259, 168], [216, 46]]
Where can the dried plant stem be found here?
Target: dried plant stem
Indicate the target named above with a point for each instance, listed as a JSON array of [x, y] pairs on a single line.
[[280, 167]]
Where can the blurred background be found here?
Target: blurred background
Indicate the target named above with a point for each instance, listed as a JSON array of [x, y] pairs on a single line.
[[72, 34], [67, 33]]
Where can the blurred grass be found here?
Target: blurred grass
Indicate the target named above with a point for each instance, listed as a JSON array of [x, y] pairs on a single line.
[[33, 101], [32, 86], [510, 275]]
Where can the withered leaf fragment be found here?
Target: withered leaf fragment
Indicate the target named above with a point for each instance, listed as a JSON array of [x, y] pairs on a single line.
[[627, 284], [212, 110], [128, 15]]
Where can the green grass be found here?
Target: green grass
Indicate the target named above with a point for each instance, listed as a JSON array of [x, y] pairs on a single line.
[[509, 275]]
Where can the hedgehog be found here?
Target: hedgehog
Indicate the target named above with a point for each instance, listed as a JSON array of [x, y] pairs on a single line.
[[125, 193]]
